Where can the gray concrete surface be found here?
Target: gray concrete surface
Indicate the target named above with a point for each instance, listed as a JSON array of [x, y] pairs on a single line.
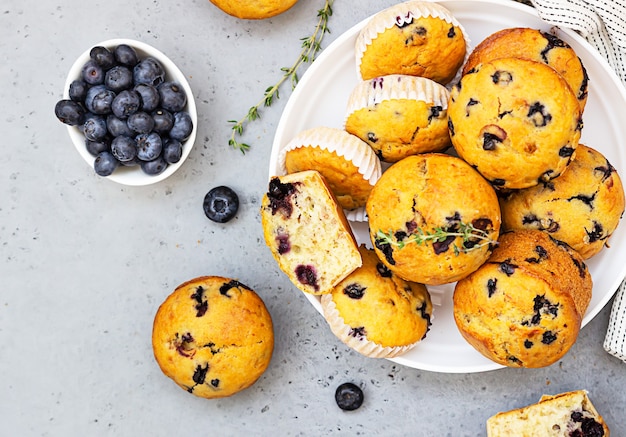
[[85, 262]]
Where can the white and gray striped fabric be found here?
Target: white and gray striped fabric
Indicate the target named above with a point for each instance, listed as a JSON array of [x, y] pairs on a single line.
[[615, 339], [603, 24]]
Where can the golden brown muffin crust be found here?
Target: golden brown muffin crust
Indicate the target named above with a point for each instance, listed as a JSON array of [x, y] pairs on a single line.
[[516, 121], [534, 45], [424, 194], [524, 306], [254, 9], [213, 336]]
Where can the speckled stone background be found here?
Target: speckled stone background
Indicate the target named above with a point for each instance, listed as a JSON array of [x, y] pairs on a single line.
[[85, 262]]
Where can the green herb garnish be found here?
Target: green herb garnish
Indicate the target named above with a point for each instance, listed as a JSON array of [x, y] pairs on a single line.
[[311, 46], [473, 238]]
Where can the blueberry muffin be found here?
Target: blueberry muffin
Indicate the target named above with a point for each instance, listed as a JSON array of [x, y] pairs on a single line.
[[254, 9], [433, 218], [399, 116], [582, 207], [377, 313], [566, 414], [535, 45], [307, 232], [213, 336], [516, 121], [348, 164], [417, 38], [524, 306]]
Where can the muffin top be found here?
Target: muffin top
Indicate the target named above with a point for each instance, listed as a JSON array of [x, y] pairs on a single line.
[[213, 336], [582, 207], [415, 37], [399, 115], [433, 218], [374, 305], [524, 306], [535, 45], [516, 121]]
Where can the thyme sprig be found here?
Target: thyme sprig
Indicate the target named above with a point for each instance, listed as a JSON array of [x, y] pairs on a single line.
[[476, 238], [311, 46]]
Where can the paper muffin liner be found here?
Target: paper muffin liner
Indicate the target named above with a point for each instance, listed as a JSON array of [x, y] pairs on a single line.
[[368, 93], [344, 144], [361, 345], [399, 14]]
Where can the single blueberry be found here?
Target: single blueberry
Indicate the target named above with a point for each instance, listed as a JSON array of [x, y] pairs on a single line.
[[172, 151], [99, 99], [95, 147], [140, 122], [124, 148], [78, 90], [149, 146], [149, 71], [163, 121], [118, 78], [95, 128], [173, 96], [69, 112], [105, 164], [102, 56], [117, 127], [125, 104], [126, 55], [349, 396], [92, 73], [154, 167], [220, 204], [182, 126], [149, 96]]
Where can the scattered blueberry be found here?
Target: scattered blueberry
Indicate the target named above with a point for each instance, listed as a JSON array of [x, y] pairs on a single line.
[[149, 71], [149, 146], [92, 73], [149, 96], [182, 126], [172, 151], [99, 99], [102, 56], [173, 96], [124, 148], [141, 122], [105, 164], [126, 55], [69, 112], [118, 78], [125, 104], [349, 396], [220, 204]]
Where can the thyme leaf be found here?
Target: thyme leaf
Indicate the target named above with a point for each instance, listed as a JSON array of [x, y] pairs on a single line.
[[311, 46], [468, 233]]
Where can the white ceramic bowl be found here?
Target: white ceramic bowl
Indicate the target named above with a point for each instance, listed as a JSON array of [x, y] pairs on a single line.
[[134, 176]]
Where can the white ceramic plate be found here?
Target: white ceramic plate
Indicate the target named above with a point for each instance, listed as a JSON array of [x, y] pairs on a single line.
[[320, 99], [134, 176]]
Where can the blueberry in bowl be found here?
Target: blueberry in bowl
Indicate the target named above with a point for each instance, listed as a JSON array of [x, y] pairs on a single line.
[[122, 94]]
